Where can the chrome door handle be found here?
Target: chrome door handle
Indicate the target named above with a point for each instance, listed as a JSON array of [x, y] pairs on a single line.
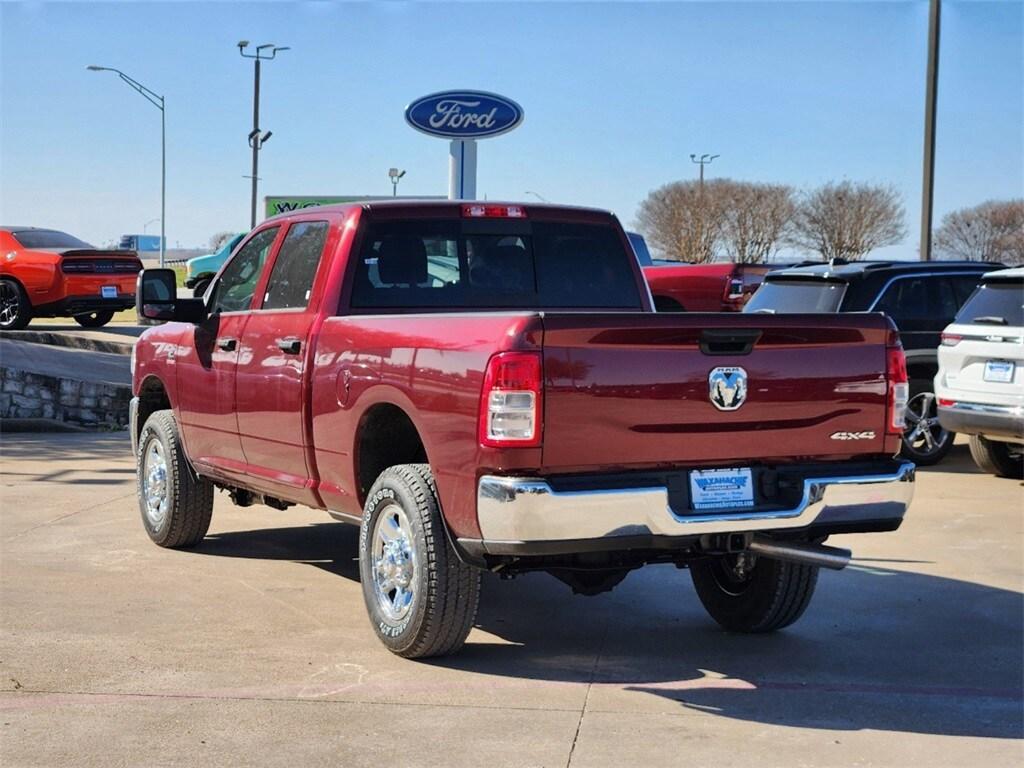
[[228, 345], [291, 345]]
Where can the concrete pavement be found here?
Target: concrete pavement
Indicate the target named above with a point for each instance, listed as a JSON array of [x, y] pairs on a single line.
[[255, 649]]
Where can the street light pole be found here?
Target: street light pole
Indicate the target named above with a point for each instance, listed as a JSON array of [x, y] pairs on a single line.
[[157, 101], [256, 140], [395, 175], [702, 161]]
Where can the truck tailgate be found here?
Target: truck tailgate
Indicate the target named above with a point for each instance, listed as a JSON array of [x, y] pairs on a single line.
[[632, 390]]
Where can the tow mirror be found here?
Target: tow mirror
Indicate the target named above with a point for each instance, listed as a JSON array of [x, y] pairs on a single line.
[[156, 299]]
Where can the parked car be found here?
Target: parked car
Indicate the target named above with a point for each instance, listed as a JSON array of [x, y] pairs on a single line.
[[200, 270], [46, 273], [921, 298], [718, 286], [980, 383], [486, 386]]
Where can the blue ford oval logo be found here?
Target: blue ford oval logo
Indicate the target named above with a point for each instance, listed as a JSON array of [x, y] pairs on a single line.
[[464, 114]]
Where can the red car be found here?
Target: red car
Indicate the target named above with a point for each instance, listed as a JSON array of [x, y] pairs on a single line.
[[487, 386], [46, 273], [717, 286]]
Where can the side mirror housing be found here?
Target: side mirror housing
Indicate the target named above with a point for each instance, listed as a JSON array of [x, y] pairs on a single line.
[[156, 299]]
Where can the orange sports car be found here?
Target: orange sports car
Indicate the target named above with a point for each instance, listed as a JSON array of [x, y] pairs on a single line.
[[46, 273]]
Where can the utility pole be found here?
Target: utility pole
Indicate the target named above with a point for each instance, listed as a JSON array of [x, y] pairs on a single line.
[[702, 161], [931, 93], [256, 140]]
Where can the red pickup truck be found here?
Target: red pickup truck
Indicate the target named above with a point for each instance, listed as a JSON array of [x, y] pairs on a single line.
[[487, 386], [717, 286]]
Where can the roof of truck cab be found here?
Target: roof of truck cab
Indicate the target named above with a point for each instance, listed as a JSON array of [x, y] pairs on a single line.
[[449, 207]]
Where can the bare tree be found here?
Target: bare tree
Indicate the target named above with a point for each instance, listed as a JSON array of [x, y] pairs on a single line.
[[684, 220], [757, 217], [992, 231], [848, 219], [218, 240]]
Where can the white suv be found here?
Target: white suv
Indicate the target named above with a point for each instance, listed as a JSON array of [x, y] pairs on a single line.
[[980, 383]]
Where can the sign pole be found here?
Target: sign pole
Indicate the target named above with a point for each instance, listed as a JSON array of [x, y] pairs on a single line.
[[462, 169]]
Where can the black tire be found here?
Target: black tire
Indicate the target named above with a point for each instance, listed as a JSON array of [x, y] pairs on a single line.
[[95, 319], [770, 596], [15, 309], [199, 289], [444, 591], [185, 519], [924, 443], [999, 459]]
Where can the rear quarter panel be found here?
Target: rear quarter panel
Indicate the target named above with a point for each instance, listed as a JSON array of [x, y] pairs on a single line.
[[429, 365]]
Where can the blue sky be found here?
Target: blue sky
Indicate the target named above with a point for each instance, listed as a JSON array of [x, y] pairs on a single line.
[[616, 95]]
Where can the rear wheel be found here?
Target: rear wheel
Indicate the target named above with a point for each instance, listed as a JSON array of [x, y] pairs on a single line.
[[1000, 459], [420, 597], [15, 310], [95, 319], [925, 441], [747, 593]]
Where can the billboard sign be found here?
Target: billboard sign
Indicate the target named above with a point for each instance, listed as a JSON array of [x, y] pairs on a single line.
[[464, 114]]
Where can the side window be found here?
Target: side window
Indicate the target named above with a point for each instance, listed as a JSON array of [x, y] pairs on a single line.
[[905, 299], [944, 303], [237, 284], [295, 267], [964, 286]]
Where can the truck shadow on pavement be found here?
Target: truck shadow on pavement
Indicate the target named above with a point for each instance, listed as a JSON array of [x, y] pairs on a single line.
[[880, 649]]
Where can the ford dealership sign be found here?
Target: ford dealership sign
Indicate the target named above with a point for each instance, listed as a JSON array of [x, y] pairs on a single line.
[[464, 114]]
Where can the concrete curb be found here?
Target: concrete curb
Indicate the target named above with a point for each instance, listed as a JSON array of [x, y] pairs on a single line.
[[70, 340]]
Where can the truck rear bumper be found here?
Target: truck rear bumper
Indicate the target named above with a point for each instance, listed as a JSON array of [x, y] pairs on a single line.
[[526, 516]]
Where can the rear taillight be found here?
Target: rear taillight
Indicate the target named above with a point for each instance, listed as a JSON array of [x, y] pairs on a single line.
[[510, 403], [899, 389], [944, 403], [485, 211], [951, 339]]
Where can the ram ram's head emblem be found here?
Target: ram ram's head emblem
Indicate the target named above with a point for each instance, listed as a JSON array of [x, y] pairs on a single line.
[[727, 388]]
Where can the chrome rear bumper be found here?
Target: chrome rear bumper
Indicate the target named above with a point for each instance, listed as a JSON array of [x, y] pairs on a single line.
[[515, 511]]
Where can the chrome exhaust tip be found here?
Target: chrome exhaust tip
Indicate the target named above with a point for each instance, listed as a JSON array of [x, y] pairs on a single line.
[[807, 554]]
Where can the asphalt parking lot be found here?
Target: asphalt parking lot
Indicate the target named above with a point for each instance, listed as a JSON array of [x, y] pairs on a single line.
[[255, 649]]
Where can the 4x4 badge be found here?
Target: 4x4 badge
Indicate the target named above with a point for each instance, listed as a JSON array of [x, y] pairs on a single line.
[[869, 435], [727, 388]]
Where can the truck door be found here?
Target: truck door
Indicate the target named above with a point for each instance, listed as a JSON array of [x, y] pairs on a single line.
[[206, 367], [272, 402]]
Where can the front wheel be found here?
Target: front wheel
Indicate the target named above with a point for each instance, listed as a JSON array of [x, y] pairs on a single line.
[[95, 319], [999, 459], [15, 310], [176, 504], [199, 289], [748, 593], [420, 597], [925, 441]]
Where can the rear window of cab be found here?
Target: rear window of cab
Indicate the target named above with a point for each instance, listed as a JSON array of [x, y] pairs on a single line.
[[466, 264]]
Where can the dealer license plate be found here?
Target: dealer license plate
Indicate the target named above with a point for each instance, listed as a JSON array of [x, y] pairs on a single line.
[[721, 489], [108, 291], [1000, 371]]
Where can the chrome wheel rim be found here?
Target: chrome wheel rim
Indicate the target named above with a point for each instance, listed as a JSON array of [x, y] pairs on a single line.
[[8, 303], [924, 434], [154, 484], [393, 562]]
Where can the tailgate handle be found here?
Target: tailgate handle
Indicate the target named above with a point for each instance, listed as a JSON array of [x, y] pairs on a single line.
[[725, 341]]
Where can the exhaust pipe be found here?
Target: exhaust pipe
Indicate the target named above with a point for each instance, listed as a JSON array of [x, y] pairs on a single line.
[[807, 554]]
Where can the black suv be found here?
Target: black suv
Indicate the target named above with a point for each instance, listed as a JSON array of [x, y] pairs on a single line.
[[921, 297]]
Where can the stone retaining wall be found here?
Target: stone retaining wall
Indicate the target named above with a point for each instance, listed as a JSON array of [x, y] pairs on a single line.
[[26, 395]]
